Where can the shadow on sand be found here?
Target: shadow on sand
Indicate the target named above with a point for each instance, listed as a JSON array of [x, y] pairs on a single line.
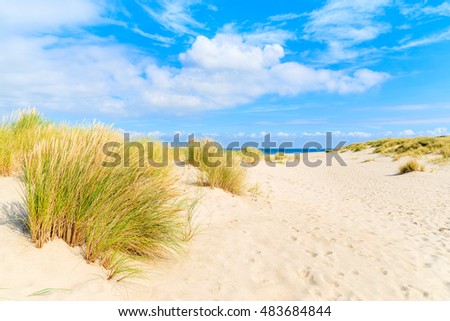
[[14, 215]]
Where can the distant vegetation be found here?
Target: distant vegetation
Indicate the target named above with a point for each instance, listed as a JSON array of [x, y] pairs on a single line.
[[217, 168], [251, 155], [117, 215], [401, 147], [19, 133], [411, 166]]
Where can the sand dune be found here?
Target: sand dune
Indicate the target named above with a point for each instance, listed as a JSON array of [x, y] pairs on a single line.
[[327, 233]]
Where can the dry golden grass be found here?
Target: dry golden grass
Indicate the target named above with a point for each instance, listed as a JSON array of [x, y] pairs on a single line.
[[250, 155], [217, 167], [411, 166], [117, 215], [402, 147], [19, 133]]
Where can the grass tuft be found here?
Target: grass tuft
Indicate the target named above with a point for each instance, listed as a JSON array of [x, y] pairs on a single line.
[[411, 166], [18, 134], [117, 215], [218, 168]]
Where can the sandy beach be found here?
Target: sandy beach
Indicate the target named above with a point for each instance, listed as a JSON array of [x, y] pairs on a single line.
[[358, 232]]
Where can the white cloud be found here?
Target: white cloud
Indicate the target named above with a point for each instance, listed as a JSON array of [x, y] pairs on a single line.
[[286, 16], [313, 134], [174, 15], [337, 133], [442, 10], [212, 7], [282, 134], [30, 16], [260, 34], [407, 132], [156, 134], [230, 52], [422, 9], [268, 35], [428, 40], [95, 75], [156, 37], [343, 24], [81, 76], [211, 135], [438, 131], [359, 134], [404, 27], [226, 71]]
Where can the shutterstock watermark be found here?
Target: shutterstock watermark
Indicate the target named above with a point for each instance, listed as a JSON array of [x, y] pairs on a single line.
[[214, 154]]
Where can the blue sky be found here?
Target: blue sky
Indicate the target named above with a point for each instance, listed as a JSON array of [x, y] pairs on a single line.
[[232, 69]]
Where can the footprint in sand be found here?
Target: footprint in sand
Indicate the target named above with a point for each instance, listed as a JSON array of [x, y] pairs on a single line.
[[306, 273], [330, 280]]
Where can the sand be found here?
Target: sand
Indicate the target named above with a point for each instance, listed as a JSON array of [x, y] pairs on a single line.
[[358, 232]]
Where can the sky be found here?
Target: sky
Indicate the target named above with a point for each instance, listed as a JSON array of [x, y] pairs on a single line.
[[232, 70]]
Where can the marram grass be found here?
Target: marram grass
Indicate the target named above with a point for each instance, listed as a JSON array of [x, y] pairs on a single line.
[[116, 215], [402, 147], [411, 166], [18, 134], [217, 168]]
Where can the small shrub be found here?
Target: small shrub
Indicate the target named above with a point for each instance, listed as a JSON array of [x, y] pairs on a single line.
[[411, 166]]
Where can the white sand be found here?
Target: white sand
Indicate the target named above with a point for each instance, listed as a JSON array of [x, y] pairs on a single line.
[[329, 233]]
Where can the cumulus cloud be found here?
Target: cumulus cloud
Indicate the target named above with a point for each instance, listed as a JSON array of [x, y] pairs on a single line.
[[229, 52], [97, 75]]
